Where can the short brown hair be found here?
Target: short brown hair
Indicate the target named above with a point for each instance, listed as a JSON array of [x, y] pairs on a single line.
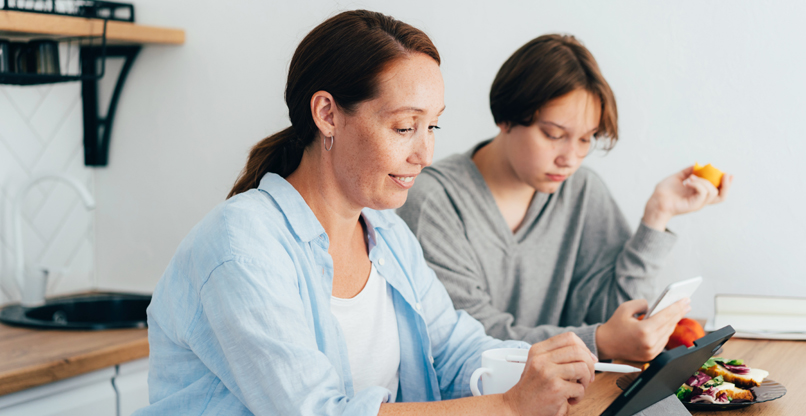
[[344, 56], [548, 67]]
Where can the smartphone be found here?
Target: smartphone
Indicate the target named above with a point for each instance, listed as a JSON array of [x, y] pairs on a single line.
[[673, 293]]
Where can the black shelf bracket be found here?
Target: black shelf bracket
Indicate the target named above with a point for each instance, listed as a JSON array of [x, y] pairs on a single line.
[[97, 129]]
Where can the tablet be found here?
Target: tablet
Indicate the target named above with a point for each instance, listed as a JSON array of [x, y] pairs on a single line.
[[673, 293], [666, 373]]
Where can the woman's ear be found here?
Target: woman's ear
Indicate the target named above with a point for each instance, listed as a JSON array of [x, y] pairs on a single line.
[[323, 108]]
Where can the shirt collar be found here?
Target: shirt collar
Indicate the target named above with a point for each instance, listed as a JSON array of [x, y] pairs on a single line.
[[377, 219], [303, 221], [299, 215]]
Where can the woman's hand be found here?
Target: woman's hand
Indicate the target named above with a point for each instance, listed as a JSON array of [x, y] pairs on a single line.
[[556, 375], [626, 337], [681, 193]]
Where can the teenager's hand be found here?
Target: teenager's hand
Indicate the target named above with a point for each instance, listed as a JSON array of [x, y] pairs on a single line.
[[626, 337], [556, 375], [682, 193]]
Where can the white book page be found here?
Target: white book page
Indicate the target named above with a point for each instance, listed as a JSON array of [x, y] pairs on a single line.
[[761, 316]]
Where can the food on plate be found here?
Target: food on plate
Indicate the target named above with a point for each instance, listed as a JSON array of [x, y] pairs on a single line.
[[706, 386], [734, 371], [701, 388], [685, 333], [709, 173]]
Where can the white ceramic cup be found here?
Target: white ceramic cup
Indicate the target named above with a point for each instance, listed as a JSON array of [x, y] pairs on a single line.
[[499, 375], [35, 284]]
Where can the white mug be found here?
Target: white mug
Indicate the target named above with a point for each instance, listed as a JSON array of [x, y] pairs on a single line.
[[499, 374]]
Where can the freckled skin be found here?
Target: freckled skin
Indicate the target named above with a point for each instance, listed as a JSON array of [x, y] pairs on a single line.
[[368, 148], [382, 136]]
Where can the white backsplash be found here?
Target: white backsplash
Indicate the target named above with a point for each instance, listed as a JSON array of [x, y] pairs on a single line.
[[41, 131]]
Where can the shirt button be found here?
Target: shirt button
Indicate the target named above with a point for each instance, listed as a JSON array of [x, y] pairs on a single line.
[[418, 307], [430, 358], [381, 261]]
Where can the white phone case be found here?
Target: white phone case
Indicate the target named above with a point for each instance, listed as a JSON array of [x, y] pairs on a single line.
[[675, 292]]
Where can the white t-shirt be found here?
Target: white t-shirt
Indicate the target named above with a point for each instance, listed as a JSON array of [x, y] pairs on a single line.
[[369, 326]]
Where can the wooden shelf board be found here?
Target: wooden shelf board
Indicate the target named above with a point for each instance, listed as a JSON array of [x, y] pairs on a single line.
[[23, 25]]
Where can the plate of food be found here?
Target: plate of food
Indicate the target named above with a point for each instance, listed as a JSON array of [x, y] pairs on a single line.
[[723, 384]]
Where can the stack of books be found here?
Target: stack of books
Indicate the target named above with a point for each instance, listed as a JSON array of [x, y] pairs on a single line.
[[765, 317]]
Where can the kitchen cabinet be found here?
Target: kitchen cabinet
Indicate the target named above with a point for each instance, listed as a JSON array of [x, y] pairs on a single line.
[[87, 394], [113, 391], [57, 372], [131, 383]]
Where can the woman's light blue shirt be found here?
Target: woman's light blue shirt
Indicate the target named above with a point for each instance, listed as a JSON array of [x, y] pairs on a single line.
[[240, 322]]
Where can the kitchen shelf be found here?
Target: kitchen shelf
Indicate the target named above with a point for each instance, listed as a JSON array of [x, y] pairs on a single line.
[[119, 39], [24, 25]]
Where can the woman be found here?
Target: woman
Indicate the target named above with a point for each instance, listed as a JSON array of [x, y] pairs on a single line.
[[532, 244], [299, 296]]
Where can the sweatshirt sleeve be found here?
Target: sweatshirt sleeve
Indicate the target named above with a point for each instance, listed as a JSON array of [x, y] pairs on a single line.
[[432, 217], [613, 264]]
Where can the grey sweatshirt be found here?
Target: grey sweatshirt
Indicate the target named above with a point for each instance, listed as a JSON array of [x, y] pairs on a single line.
[[573, 260]]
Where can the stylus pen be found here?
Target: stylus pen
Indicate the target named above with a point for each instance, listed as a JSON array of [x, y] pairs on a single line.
[[603, 367]]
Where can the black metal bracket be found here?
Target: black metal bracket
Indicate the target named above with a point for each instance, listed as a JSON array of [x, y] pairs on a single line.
[[95, 9], [97, 129]]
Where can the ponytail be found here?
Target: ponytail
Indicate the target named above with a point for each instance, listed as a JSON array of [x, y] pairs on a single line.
[[279, 153]]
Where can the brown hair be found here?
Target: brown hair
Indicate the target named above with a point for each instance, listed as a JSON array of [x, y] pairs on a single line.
[[548, 67], [343, 56]]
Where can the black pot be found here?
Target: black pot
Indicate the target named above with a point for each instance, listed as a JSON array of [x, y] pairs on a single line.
[[46, 56], [40, 56]]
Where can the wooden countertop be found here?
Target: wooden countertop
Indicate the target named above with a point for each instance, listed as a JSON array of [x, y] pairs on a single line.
[[32, 357], [785, 360]]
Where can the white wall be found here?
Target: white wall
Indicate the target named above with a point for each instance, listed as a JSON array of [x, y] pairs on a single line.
[[41, 131], [715, 82]]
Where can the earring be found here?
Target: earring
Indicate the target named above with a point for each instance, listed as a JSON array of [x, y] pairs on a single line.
[[332, 140]]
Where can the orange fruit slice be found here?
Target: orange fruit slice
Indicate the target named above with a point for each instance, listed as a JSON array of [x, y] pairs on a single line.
[[709, 173]]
